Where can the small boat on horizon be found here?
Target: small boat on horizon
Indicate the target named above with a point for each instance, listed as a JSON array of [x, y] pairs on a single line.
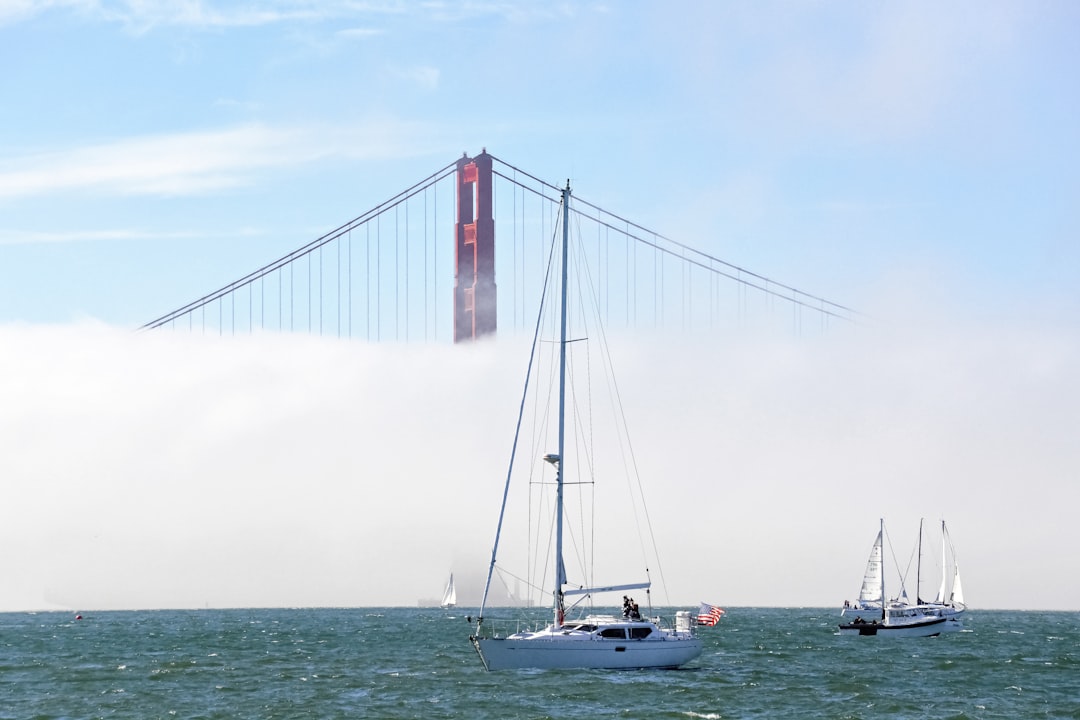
[[449, 598], [871, 598], [874, 616], [949, 601]]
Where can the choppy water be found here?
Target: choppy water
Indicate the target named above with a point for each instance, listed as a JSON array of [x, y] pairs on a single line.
[[415, 663]]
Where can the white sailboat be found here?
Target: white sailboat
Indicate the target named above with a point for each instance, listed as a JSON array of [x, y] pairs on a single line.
[[949, 600], [449, 598], [871, 597], [593, 640], [898, 619]]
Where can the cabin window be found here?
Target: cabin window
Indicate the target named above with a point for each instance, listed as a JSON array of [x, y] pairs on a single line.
[[638, 633], [614, 633], [580, 626]]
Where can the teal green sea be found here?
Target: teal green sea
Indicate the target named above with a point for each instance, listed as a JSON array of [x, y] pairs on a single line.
[[418, 663]]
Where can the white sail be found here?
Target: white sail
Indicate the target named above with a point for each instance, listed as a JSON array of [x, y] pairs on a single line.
[[449, 599], [871, 584], [949, 603], [957, 597]]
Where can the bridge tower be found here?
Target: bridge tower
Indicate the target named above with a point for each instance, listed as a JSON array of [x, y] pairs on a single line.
[[474, 273]]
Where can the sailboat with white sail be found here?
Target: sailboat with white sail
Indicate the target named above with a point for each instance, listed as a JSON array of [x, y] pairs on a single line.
[[591, 640], [449, 598], [898, 619], [949, 600], [871, 598]]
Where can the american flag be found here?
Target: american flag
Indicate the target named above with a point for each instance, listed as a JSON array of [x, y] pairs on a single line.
[[708, 614]]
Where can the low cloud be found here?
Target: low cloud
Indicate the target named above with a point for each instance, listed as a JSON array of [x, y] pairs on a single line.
[[245, 464]]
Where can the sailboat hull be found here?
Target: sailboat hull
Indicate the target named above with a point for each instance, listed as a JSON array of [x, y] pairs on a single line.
[[922, 628], [591, 653]]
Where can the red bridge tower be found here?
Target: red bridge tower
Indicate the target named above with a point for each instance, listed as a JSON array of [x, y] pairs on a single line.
[[474, 275]]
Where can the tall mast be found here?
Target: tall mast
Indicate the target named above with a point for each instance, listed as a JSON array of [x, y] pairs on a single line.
[[941, 591], [560, 570], [918, 569], [884, 601]]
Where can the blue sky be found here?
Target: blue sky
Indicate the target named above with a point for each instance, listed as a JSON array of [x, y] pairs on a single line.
[[916, 161]]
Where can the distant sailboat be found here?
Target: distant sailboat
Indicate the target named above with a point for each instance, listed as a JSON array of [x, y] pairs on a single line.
[[898, 618], [948, 602], [871, 599], [449, 598]]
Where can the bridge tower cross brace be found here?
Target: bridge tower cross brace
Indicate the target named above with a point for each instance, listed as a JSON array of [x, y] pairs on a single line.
[[474, 231]]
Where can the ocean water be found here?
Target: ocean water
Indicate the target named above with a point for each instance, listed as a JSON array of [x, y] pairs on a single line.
[[418, 663]]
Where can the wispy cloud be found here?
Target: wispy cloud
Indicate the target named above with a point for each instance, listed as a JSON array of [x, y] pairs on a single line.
[[13, 11], [158, 165], [910, 64], [864, 73], [143, 15], [359, 33], [516, 12], [195, 162], [30, 237], [140, 16]]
